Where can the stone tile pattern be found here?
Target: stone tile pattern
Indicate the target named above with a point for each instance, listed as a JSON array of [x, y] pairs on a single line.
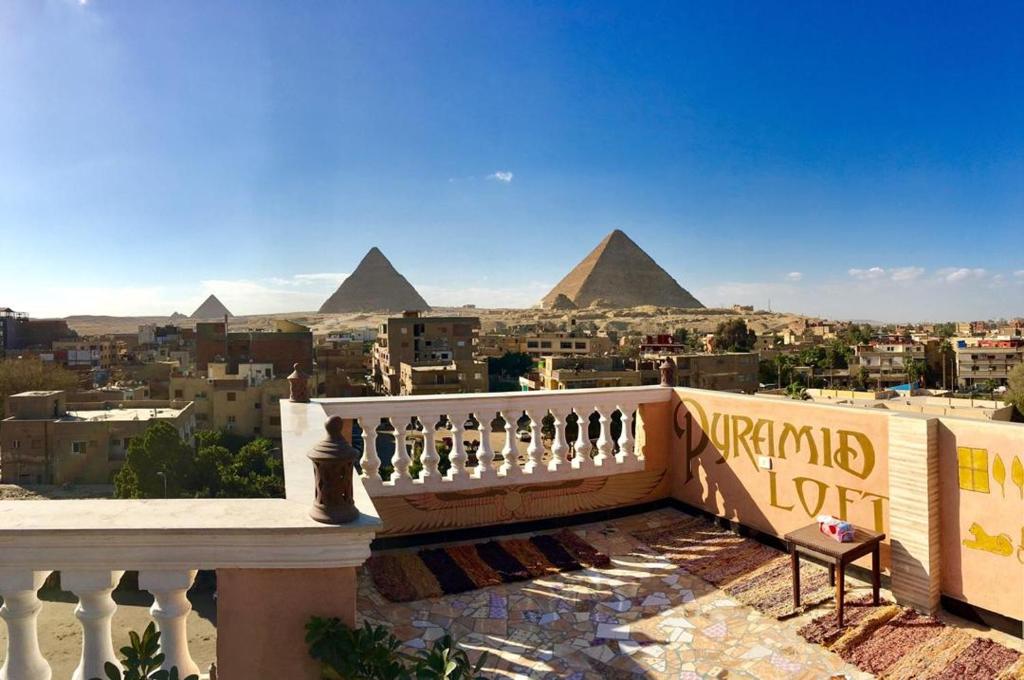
[[642, 616]]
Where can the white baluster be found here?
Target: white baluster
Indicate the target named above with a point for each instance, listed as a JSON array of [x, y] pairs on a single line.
[[430, 458], [94, 611], [20, 611], [510, 467], [484, 454], [371, 461], [535, 449], [401, 460], [457, 456], [626, 441], [581, 449], [559, 447], [604, 441], [170, 611]]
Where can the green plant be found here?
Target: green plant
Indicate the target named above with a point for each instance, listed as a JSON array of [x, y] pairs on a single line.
[[142, 659], [373, 653]]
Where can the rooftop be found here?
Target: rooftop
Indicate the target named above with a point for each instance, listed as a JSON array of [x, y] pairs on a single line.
[[124, 414]]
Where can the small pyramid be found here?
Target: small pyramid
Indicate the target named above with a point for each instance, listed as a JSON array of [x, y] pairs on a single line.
[[375, 286], [618, 273], [561, 302], [212, 308]]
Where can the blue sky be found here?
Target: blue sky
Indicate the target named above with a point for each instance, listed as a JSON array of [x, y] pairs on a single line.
[[856, 160]]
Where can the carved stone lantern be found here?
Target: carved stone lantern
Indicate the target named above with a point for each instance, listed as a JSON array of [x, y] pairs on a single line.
[[298, 386], [334, 462], [668, 373]]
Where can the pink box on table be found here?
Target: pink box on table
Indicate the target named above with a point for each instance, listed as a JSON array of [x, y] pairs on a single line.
[[835, 528]]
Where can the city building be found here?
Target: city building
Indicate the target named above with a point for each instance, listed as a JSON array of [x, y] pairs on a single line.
[[443, 377], [661, 344], [888, 361], [18, 331], [987, 361], [564, 344], [723, 371], [423, 340], [87, 352], [288, 344], [244, 402], [47, 440], [569, 373]]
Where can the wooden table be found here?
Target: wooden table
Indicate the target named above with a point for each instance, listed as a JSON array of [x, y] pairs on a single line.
[[810, 541]]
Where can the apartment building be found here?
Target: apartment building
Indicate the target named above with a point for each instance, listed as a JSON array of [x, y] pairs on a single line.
[[887, 361], [46, 440], [449, 377], [288, 344], [497, 345], [341, 367], [724, 371], [987, 361], [18, 331], [85, 353], [423, 340], [564, 344], [569, 373], [244, 402]]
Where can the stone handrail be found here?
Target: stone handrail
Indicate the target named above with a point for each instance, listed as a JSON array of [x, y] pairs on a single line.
[[412, 422], [93, 542]]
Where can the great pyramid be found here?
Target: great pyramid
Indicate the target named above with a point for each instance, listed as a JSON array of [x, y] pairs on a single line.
[[618, 273], [375, 286], [212, 308]]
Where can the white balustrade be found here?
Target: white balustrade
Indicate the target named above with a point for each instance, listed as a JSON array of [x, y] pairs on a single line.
[[540, 460], [20, 611], [370, 463], [170, 611], [92, 542], [95, 610]]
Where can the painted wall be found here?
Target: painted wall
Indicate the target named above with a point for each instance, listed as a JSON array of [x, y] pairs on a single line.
[[823, 460], [981, 475]]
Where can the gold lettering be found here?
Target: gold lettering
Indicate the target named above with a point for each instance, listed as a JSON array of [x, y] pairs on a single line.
[[804, 433], [822, 487], [758, 438], [740, 437], [720, 436], [847, 455], [694, 443], [773, 493]]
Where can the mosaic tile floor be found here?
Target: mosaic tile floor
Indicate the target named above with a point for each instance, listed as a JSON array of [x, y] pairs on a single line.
[[640, 618]]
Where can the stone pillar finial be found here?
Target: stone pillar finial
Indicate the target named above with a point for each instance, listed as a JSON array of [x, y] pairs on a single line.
[[334, 462], [298, 386], [668, 373]]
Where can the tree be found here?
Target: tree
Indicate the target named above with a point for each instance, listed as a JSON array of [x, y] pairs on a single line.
[[915, 370], [1015, 389], [22, 375], [511, 365], [734, 336], [156, 458]]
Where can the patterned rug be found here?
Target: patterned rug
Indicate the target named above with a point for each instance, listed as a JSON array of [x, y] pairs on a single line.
[[753, 573], [888, 641], [897, 643], [432, 572]]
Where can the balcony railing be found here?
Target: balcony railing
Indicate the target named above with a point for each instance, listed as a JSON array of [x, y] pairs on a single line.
[[405, 420]]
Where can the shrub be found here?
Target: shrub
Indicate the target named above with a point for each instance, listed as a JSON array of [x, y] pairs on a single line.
[[142, 659]]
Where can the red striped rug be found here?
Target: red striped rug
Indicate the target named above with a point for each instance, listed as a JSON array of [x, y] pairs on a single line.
[[432, 572]]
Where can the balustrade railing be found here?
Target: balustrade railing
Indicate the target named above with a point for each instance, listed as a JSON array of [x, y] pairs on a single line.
[[495, 439], [93, 542]]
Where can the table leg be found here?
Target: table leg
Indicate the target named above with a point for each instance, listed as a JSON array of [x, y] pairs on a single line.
[[794, 560], [840, 587], [832, 575], [876, 574]]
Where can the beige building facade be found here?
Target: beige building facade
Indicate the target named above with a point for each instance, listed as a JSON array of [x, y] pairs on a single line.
[[421, 340], [725, 372], [234, 404], [46, 440]]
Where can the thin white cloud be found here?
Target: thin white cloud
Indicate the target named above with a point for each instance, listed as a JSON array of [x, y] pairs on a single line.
[[871, 274], [526, 294], [906, 273], [959, 274], [501, 176], [794, 276], [331, 277], [1019, 274]]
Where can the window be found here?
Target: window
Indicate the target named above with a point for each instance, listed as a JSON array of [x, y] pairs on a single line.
[[275, 421], [78, 448], [973, 465], [257, 405], [532, 344], [545, 344], [15, 443], [231, 419], [179, 394], [581, 345], [231, 396], [565, 345]]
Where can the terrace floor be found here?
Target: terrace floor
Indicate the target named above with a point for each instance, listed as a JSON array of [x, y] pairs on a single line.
[[641, 617]]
